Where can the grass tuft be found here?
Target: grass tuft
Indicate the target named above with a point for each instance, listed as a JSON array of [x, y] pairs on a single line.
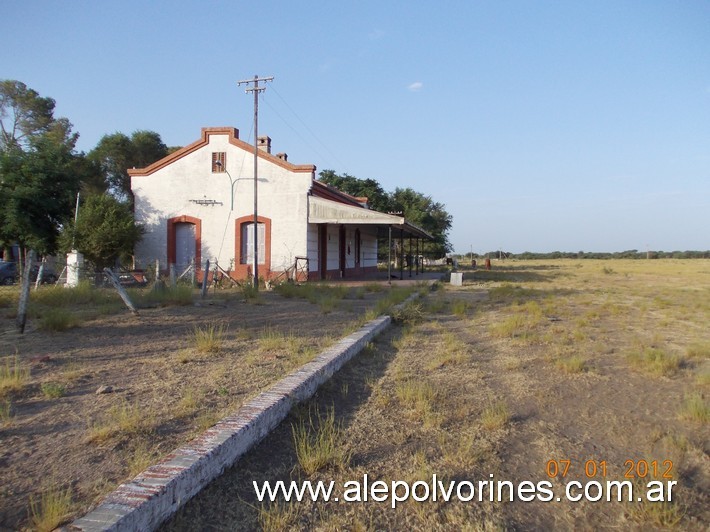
[[663, 515], [572, 364], [460, 307], [655, 361], [495, 416], [209, 338], [123, 419], [140, 459], [695, 408], [278, 517], [320, 443], [698, 350], [6, 413], [250, 292], [451, 351], [418, 396], [12, 376], [51, 510]]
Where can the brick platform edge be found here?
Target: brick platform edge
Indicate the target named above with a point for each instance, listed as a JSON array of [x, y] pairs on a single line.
[[157, 493]]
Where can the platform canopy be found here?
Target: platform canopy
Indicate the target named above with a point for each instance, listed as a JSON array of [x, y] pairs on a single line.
[[325, 211]]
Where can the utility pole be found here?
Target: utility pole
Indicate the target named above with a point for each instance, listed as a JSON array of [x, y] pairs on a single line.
[[256, 89]]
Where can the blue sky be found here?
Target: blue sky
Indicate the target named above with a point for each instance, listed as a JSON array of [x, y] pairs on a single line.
[[540, 125]]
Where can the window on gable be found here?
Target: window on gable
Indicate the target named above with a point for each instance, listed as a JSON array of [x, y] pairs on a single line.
[[219, 161]]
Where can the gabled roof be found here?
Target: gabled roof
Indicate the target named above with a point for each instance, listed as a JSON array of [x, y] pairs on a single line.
[[233, 139]]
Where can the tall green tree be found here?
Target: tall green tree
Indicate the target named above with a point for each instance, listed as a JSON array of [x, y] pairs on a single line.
[[104, 231], [40, 173], [116, 153], [24, 115], [37, 193]]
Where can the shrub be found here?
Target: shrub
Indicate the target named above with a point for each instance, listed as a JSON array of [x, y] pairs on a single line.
[[409, 314], [52, 390]]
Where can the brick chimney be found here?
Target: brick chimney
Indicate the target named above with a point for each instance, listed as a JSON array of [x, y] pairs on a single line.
[[264, 143], [282, 156]]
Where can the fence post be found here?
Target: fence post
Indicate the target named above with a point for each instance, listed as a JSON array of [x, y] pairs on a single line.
[[205, 275], [193, 273], [173, 281], [121, 292]]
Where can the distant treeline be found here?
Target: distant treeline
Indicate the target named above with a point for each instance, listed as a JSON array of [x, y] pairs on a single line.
[[629, 254]]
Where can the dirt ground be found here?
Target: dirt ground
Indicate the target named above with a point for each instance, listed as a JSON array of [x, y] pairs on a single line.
[[58, 434], [524, 365]]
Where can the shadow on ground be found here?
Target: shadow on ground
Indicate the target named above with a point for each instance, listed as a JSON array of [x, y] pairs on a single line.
[[230, 503]]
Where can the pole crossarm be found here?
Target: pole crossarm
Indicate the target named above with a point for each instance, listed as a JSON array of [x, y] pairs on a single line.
[[255, 80]]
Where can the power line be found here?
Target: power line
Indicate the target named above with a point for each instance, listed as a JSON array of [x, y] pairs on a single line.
[[307, 129]]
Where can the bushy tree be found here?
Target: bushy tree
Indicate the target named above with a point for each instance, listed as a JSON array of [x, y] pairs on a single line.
[[116, 153], [104, 232], [40, 173], [24, 115], [39, 187]]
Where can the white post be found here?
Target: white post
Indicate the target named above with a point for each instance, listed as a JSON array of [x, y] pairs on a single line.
[[75, 267]]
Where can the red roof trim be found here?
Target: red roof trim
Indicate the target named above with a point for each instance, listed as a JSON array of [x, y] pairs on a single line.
[[233, 139], [323, 190]]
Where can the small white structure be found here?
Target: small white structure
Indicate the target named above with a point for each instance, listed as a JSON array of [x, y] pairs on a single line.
[[197, 204], [75, 266]]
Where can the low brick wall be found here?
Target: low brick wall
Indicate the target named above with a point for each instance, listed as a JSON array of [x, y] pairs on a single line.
[[156, 493]]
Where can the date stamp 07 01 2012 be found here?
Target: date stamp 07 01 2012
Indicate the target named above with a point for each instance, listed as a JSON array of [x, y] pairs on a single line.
[[633, 469]]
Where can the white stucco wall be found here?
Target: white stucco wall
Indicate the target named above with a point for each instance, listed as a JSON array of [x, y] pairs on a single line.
[[166, 193]]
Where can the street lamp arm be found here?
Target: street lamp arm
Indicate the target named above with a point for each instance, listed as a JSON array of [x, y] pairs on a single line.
[[232, 182]]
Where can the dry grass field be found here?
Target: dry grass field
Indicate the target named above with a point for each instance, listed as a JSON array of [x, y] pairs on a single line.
[[173, 371], [605, 364]]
